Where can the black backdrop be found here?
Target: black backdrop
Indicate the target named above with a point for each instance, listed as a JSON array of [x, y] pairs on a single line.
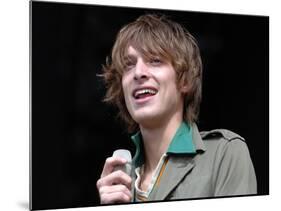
[[73, 131]]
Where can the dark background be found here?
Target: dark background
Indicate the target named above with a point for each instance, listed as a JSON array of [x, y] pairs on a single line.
[[73, 131]]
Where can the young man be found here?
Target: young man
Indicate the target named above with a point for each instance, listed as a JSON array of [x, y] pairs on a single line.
[[154, 77]]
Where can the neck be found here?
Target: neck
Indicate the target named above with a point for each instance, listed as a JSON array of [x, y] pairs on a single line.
[[157, 139]]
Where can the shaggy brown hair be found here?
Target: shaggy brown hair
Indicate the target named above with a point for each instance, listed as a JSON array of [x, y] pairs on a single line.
[[154, 35]]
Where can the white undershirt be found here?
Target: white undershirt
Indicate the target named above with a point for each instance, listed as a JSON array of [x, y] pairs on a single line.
[[139, 173]]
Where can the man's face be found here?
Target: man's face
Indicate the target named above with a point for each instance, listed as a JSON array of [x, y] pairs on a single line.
[[150, 90]]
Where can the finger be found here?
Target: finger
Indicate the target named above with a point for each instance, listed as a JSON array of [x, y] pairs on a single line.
[[110, 163], [116, 197], [115, 188], [116, 177]]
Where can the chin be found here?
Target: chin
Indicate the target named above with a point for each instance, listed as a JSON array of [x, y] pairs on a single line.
[[145, 118]]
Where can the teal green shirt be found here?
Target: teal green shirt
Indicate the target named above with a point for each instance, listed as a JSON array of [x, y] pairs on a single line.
[[181, 144]]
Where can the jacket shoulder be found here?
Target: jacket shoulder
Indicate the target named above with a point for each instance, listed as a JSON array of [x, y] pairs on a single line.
[[220, 134]]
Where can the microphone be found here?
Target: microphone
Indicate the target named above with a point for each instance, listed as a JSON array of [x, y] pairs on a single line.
[[123, 153]]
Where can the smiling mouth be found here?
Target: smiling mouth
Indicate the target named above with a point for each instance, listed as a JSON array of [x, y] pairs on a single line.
[[143, 93]]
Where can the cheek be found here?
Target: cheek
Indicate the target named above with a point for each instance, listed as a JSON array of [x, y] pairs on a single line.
[[172, 89], [169, 81]]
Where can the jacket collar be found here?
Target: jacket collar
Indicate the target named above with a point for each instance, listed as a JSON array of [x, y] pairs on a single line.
[[186, 141]]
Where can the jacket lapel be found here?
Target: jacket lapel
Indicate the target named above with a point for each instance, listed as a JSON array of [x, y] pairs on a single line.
[[177, 168]]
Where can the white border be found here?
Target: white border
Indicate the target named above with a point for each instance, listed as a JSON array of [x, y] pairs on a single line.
[[14, 101]]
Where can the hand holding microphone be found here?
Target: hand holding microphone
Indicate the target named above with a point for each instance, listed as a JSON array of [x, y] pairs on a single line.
[[114, 184]]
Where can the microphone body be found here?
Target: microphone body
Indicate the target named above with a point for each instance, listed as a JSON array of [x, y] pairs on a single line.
[[123, 153]]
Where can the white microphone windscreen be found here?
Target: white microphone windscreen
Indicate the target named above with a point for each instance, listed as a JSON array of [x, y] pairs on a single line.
[[123, 153]]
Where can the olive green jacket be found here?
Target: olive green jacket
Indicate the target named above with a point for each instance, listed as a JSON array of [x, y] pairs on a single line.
[[221, 167]]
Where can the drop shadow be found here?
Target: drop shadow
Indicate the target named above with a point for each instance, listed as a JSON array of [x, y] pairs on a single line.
[[24, 205]]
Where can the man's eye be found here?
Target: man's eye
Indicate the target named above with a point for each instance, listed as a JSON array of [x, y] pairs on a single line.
[[129, 65], [155, 61]]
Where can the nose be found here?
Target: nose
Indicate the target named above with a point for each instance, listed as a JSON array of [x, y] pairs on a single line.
[[141, 71]]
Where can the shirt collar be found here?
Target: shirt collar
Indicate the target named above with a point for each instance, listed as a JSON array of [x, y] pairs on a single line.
[[181, 143], [138, 158]]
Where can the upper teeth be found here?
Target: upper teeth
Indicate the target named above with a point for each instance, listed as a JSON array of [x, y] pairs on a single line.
[[145, 91]]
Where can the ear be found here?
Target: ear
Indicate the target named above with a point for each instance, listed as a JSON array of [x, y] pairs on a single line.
[[184, 89], [184, 84]]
